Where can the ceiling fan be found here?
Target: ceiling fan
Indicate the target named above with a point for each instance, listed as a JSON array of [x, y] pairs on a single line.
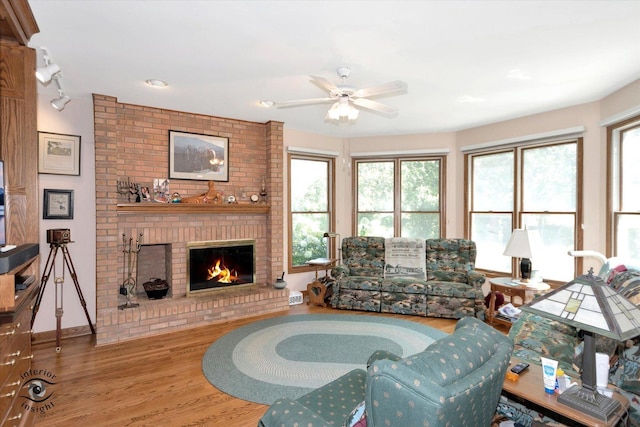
[[346, 99]]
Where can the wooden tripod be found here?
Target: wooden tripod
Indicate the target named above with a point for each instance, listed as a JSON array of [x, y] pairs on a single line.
[[53, 252]]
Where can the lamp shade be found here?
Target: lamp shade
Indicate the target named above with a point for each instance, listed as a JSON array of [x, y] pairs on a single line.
[[59, 103], [587, 303], [520, 244]]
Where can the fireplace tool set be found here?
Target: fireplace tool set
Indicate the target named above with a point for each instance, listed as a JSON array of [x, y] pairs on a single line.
[[128, 287], [58, 239]]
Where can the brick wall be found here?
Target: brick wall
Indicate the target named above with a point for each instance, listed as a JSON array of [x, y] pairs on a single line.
[[132, 142]]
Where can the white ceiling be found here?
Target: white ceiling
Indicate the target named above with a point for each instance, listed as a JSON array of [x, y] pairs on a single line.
[[510, 58]]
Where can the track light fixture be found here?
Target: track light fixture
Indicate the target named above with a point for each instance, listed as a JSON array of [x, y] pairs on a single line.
[[45, 74], [49, 72]]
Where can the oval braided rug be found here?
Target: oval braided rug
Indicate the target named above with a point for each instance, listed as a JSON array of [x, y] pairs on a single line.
[[289, 356]]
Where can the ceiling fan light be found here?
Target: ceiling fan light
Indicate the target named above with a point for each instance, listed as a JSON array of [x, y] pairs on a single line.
[[353, 114], [343, 109], [44, 74]]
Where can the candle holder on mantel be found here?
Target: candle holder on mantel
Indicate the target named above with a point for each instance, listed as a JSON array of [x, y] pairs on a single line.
[[128, 287]]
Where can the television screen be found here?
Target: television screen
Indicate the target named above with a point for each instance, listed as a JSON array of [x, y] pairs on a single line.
[[3, 238]]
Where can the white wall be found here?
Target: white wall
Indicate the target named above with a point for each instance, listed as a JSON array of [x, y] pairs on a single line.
[[75, 119]]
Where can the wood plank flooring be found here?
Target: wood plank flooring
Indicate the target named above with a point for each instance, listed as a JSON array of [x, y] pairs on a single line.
[[153, 381]]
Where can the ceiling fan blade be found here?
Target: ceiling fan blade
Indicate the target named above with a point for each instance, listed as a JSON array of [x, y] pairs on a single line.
[[396, 86], [324, 84], [375, 106], [301, 102]]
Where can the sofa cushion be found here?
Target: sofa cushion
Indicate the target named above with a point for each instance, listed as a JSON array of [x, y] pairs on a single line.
[[364, 283], [536, 336], [364, 256], [403, 303], [404, 285]]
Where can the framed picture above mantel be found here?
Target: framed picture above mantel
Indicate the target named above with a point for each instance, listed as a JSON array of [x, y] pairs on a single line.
[[198, 157]]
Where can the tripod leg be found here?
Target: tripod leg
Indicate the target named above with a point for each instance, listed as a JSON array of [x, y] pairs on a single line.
[[74, 276], [43, 282], [59, 281]]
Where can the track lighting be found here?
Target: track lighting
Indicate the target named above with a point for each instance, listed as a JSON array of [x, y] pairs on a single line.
[[45, 74], [49, 72]]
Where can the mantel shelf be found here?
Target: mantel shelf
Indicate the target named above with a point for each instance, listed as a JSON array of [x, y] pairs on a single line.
[[192, 208]]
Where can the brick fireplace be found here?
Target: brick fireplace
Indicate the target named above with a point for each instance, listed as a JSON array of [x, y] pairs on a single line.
[[131, 142]]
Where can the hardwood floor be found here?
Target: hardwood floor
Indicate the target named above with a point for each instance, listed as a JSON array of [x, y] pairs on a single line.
[[153, 381]]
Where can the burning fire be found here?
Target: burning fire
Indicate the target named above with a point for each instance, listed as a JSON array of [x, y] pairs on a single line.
[[221, 275]]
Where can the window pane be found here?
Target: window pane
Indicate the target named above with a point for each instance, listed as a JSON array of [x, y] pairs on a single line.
[[491, 232], [422, 225], [309, 185], [493, 182], [420, 186], [557, 234], [549, 178], [630, 176], [628, 236], [375, 187], [307, 240], [375, 224]]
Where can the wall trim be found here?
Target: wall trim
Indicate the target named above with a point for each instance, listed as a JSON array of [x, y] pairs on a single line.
[[305, 150], [620, 117], [430, 152], [573, 132]]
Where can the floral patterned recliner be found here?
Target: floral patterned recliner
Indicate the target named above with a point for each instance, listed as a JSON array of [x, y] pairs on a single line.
[[453, 288]]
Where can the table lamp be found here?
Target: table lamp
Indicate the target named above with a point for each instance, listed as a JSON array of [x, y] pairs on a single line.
[[336, 236], [521, 246], [588, 304]]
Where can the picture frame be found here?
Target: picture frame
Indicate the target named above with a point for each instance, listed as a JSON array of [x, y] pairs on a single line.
[[58, 154], [198, 157], [58, 204]]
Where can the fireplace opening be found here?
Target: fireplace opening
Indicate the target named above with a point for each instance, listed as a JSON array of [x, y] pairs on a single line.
[[220, 264]]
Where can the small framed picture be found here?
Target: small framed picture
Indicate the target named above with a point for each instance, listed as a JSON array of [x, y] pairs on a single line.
[[58, 204], [199, 157], [58, 154]]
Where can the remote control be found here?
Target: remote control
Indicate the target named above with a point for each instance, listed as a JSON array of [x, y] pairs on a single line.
[[519, 367], [7, 248]]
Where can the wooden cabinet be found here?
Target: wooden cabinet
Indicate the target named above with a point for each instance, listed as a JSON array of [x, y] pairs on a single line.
[[15, 360], [19, 150]]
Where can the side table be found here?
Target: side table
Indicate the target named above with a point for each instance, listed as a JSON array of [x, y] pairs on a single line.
[[529, 390], [317, 289], [513, 289]]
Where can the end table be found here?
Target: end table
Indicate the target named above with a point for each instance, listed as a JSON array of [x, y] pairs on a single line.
[[511, 288], [317, 289]]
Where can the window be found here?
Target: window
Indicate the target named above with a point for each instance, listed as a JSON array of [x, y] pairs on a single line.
[[311, 183], [399, 197], [624, 211], [534, 187]]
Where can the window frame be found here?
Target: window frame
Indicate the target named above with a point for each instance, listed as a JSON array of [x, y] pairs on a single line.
[[331, 178], [614, 181], [518, 211], [397, 187]]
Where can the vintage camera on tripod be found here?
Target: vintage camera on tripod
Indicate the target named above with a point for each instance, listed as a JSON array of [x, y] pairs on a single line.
[[58, 236]]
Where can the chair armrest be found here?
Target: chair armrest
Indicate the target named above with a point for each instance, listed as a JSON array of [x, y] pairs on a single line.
[[340, 271], [382, 355], [476, 279], [288, 413]]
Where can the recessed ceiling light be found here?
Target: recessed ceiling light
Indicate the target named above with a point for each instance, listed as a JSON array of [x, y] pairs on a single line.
[[267, 103], [156, 83]]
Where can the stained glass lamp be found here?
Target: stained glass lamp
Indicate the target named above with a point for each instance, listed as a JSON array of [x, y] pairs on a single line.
[[588, 304]]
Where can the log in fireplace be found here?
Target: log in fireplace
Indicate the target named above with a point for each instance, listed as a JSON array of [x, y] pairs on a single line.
[[220, 264]]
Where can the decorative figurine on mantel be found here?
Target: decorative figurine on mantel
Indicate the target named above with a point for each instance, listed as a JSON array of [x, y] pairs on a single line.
[[211, 196], [263, 193]]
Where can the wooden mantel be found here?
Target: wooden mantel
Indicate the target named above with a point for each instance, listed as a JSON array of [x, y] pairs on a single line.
[[192, 208]]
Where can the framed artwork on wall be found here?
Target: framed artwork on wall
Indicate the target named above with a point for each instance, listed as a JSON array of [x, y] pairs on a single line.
[[199, 157], [58, 204], [58, 154]]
